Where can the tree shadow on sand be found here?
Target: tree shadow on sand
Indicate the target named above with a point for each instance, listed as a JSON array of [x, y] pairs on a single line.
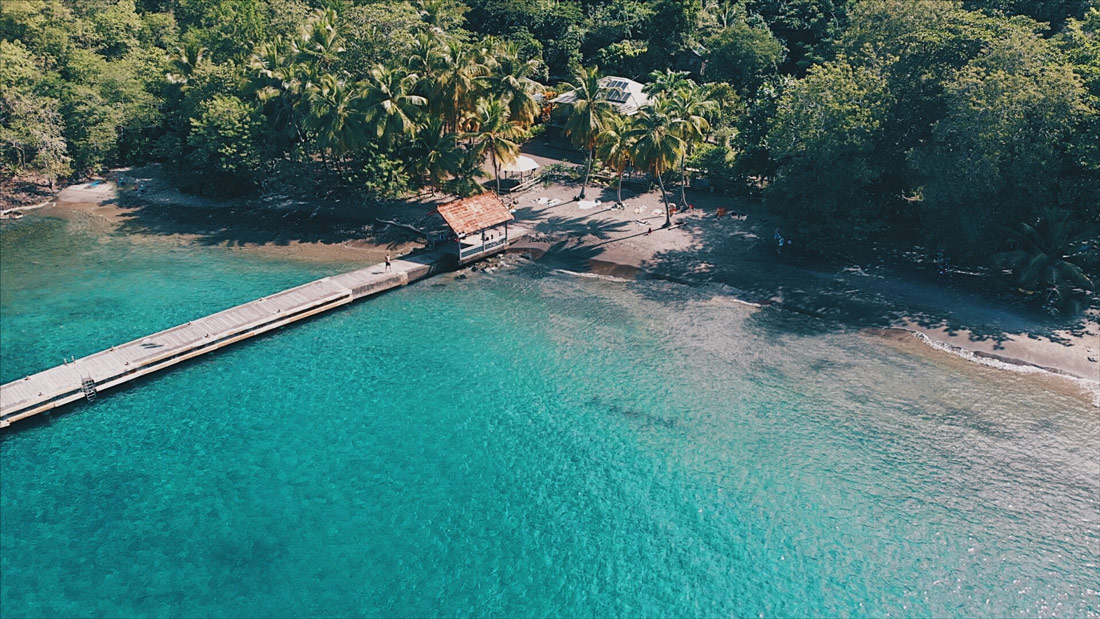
[[553, 149], [570, 256], [602, 229], [841, 294], [239, 225]]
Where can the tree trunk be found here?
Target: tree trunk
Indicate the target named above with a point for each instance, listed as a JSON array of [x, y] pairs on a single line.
[[587, 171], [683, 180], [306, 156], [664, 196], [620, 196], [496, 169], [303, 139], [324, 166]]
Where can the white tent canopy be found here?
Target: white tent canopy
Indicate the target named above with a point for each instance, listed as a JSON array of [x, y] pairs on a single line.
[[521, 164]]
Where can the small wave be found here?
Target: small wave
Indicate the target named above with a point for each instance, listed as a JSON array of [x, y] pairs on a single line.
[[606, 278], [1088, 386]]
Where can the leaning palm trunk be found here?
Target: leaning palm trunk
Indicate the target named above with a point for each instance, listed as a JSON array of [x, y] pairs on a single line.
[[683, 180], [587, 171], [664, 196], [496, 169], [340, 171], [324, 163]]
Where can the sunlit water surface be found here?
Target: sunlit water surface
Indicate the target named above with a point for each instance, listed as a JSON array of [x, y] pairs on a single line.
[[524, 443]]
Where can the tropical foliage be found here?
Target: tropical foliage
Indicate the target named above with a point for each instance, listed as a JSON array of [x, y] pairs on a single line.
[[929, 123], [1050, 259], [616, 150], [657, 145], [589, 113], [324, 96]]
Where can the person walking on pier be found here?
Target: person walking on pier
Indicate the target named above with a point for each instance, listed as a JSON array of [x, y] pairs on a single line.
[[387, 262]]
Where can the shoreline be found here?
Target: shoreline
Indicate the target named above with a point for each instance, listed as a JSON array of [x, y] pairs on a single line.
[[1080, 386], [165, 214], [936, 338], [1020, 354], [580, 242], [16, 212]]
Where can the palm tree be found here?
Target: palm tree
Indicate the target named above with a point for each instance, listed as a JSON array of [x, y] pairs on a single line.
[[424, 55], [455, 91], [509, 80], [281, 86], [726, 13], [589, 113], [389, 104], [615, 149], [666, 82], [656, 146], [496, 134], [689, 107], [431, 13], [185, 62], [1048, 255], [319, 45], [436, 153], [464, 181], [333, 112]]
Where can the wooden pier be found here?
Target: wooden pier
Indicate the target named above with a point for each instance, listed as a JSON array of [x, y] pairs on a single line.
[[85, 377]]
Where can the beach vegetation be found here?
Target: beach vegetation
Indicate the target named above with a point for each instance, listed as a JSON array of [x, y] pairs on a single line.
[[589, 113], [1051, 259], [497, 136], [690, 106], [930, 124], [616, 150], [658, 146]]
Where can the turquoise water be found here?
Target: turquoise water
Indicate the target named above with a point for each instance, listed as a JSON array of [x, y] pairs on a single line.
[[69, 290], [524, 443]]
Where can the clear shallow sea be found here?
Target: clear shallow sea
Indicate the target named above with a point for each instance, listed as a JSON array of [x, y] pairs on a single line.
[[524, 443]]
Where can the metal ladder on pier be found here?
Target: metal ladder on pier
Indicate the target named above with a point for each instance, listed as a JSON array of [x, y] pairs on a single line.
[[87, 385]]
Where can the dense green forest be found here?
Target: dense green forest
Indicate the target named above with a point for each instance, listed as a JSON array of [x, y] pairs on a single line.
[[970, 127]]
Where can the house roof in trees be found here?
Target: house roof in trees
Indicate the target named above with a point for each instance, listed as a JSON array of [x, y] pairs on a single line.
[[475, 213], [537, 89], [625, 94]]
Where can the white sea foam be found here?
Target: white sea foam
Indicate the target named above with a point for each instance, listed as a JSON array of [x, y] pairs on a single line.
[[1088, 386], [606, 278]]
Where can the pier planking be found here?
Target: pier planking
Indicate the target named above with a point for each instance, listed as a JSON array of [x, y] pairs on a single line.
[[64, 384]]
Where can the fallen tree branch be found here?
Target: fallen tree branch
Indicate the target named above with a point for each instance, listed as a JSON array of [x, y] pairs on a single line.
[[408, 227], [20, 209]]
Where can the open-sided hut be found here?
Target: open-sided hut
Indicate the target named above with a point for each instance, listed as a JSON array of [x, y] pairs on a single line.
[[472, 227]]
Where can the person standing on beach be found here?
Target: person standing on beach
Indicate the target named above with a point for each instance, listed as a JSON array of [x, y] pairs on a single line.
[[387, 262]]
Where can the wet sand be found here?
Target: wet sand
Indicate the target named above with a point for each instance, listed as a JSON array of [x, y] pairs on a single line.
[[287, 235], [703, 249]]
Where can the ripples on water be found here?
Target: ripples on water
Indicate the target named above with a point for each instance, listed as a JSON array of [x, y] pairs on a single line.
[[524, 444]]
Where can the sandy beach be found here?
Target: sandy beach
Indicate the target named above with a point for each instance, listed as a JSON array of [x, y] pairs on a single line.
[[701, 248], [143, 205], [587, 236]]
